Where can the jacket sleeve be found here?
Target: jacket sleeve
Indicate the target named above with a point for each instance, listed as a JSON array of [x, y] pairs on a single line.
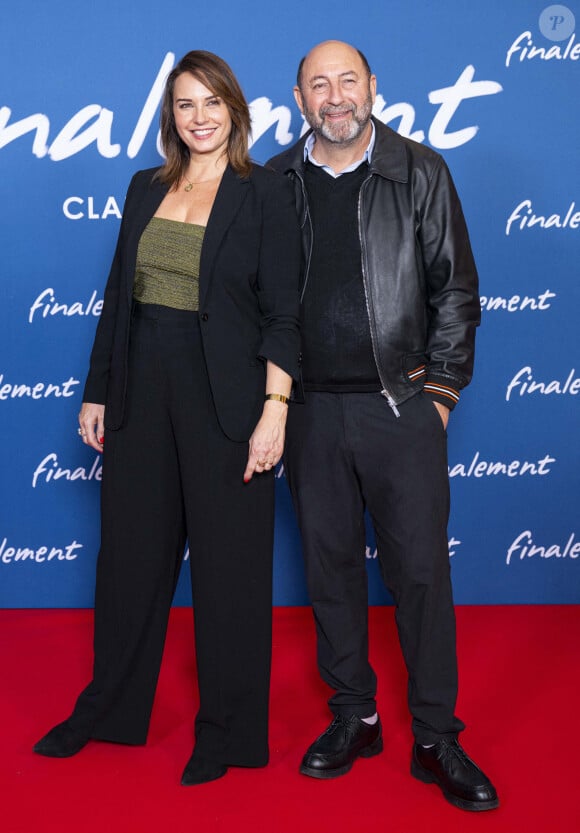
[[279, 278], [453, 306], [100, 361]]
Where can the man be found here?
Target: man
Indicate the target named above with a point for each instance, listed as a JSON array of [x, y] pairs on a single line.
[[390, 308]]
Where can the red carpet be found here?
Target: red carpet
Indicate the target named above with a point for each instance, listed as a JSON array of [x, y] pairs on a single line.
[[520, 678]]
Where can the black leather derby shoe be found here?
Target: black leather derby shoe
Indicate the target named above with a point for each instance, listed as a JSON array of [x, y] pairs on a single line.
[[345, 740], [61, 742], [461, 780]]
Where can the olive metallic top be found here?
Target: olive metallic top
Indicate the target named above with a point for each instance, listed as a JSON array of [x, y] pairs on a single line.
[[167, 267]]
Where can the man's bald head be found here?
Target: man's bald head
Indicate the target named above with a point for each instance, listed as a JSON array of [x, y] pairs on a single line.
[[330, 49]]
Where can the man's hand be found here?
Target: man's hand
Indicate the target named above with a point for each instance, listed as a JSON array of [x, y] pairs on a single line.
[[443, 413]]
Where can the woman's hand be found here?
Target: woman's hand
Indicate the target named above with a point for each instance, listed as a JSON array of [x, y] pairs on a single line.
[[267, 441], [92, 422]]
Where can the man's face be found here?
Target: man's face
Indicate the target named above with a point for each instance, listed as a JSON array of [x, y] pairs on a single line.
[[336, 95]]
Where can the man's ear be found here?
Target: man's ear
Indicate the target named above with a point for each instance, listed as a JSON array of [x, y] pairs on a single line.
[[373, 86], [298, 99]]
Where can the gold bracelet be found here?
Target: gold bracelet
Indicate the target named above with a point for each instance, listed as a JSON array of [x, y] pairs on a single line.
[[279, 397]]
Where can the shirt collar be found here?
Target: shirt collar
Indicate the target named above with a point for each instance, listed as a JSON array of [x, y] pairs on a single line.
[[366, 157]]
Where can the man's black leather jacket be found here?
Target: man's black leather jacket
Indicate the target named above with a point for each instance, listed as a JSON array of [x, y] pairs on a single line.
[[418, 270]]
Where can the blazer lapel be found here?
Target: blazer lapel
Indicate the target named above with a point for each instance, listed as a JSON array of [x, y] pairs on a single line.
[[229, 198], [148, 203]]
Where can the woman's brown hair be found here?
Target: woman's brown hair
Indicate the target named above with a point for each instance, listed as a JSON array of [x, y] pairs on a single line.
[[217, 76]]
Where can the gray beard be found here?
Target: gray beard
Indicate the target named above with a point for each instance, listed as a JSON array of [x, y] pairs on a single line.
[[343, 134]]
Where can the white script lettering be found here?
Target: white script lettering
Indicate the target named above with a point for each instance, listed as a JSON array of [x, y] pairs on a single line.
[[524, 380], [94, 123], [40, 390], [46, 302], [516, 468], [529, 51], [527, 219], [371, 554], [517, 303], [150, 108], [452, 543], [11, 555], [450, 98], [49, 470], [263, 116], [524, 546]]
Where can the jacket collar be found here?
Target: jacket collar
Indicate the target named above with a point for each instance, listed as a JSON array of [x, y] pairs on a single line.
[[389, 158], [228, 201], [150, 198], [146, 204]]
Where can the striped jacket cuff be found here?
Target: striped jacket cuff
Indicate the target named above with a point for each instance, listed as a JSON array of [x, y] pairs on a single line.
[[442, 392]]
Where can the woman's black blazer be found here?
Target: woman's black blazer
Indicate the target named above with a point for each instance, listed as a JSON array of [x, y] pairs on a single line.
[[248, 295]]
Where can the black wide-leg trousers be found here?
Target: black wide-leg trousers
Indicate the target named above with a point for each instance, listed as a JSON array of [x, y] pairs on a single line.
[[171, 474], [347, 452]]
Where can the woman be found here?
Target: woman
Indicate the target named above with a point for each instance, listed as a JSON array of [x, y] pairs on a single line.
[[187, 394]]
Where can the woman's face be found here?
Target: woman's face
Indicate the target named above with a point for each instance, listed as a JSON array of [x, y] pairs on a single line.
[[202, 119]]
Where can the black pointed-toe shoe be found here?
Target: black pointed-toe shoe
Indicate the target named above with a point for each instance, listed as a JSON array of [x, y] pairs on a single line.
[[345, 740], [61, 742], [199, 770], [462, 782]]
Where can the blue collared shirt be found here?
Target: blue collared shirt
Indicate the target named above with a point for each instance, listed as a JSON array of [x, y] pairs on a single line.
[[366, 157]]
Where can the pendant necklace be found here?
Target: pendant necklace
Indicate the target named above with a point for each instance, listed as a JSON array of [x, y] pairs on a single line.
[[190, 184]]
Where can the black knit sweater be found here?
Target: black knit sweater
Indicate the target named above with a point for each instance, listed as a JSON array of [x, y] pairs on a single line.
[[337, 350]]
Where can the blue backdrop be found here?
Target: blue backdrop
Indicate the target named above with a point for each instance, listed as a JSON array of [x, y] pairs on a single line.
[[491, 85]]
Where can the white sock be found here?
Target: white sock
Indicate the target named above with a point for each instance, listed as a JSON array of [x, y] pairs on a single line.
[[370, 720], [427, 745]]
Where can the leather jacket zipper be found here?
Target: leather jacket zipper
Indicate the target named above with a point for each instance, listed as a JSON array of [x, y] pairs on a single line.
[[385, 391], [307, 212]]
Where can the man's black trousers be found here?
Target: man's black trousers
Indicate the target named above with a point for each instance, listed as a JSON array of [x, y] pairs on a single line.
[[345, 452]]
